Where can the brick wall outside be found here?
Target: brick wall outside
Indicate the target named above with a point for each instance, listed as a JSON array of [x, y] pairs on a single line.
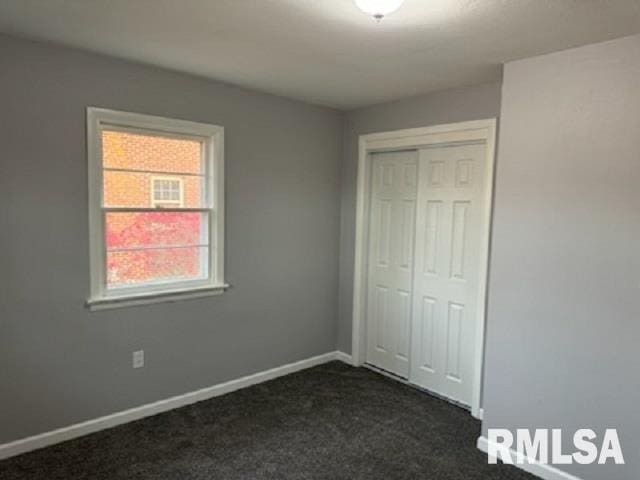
[[150, 154]]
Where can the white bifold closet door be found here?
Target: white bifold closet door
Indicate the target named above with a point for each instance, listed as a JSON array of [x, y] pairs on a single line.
[[449, 221], [390, 267]]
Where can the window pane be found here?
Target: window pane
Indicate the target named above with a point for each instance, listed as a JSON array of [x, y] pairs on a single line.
[[155, 229], [126, 189], [166, 190], [151, 267], [133, 151]]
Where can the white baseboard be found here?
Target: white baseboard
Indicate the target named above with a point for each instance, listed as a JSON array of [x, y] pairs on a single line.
[[344, 357], [544, 471], [91, 426]]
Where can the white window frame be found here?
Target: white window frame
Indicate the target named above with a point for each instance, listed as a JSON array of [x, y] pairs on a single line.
[[212, 139], [178, 203]]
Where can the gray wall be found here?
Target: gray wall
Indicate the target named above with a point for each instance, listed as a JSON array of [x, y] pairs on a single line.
[[564, 316], [61, 364], [456, 105]]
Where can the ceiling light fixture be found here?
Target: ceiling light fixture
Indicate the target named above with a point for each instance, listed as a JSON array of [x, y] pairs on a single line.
[[378, 9]]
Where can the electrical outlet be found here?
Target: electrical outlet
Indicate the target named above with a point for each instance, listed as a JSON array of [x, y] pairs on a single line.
[[138, 359]]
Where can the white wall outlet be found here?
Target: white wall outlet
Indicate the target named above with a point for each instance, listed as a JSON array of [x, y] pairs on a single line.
[[138, 359]]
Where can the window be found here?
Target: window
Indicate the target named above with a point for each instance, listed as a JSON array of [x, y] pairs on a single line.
[[156, 208], [166, 192]]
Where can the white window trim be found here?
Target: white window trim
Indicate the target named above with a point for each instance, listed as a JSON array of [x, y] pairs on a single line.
[[178, 203], [212, 138]]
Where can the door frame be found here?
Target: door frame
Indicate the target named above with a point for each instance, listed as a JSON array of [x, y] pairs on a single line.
[[475, 131]]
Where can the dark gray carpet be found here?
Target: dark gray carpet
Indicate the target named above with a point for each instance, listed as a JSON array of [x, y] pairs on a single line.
[[329, 422]]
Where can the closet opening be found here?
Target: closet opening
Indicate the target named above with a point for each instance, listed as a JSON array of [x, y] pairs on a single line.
[[423, 226]]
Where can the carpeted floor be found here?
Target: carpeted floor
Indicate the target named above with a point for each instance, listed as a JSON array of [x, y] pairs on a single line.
[[329, 422]]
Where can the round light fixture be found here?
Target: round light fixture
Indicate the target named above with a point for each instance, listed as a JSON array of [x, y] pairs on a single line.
[[378, 9]]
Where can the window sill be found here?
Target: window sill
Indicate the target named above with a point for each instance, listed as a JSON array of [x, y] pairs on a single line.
[[106, 303]]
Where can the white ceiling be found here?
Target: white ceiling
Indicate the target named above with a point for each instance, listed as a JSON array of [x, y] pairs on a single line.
[[325, 51]]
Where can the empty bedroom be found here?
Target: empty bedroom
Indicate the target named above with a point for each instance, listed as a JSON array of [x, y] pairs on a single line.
[[303, 239]]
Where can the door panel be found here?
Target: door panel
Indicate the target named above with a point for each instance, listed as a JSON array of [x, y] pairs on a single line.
[[391, 258], [380, 313], [448, 229], [426, 332]]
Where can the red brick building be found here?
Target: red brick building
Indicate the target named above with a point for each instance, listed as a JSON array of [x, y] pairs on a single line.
[[152, 172]]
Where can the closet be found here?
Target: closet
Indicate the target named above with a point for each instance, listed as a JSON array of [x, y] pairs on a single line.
[[427, 225]]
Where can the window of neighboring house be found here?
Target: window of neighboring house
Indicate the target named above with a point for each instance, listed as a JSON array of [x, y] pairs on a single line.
[[166, 192], [156, 208]]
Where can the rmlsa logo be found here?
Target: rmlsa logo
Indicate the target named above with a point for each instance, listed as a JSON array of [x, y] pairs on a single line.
[[543, 449]]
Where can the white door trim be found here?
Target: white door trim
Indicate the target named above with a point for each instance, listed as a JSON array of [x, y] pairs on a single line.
[[481, 131]]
